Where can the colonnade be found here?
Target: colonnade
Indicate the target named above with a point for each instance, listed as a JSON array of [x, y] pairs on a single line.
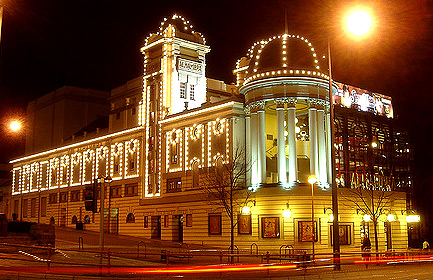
[[287, 165]]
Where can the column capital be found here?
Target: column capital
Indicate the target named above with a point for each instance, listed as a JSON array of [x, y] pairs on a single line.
[[281, 101], [257, 106], [247, 110], [321, 104]]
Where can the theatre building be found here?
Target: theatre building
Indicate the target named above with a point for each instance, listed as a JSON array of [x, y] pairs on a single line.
[[170, 128]]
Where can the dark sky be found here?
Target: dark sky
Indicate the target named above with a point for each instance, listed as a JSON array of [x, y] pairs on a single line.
[[46, 44]]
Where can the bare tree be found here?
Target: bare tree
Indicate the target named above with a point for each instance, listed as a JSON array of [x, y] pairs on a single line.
[[225, 186], [372, 195]]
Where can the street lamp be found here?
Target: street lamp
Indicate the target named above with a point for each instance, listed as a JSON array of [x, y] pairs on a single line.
[[312, 179], [15, 126], [102, 182], [358, 24]]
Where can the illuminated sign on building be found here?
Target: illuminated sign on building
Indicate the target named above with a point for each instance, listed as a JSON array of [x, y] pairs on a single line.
[[363, 100], [189, 66]]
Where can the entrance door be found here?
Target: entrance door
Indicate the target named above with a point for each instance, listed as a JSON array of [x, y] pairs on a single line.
[[177, 234], [155, 225], [114, 220], [62, 217], [388, 235]]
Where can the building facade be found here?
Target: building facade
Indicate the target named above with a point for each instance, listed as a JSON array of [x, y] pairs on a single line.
[[170, 127]]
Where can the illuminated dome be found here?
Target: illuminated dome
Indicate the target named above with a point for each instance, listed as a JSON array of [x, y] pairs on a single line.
[[284, 55]]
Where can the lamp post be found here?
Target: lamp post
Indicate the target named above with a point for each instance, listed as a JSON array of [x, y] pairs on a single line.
[[102, 181], [312, 179], [358, 23]]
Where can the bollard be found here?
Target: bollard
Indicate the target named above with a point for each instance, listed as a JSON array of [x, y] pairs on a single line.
[[221, 257], [267, 257], [49, 259], [167, 256]]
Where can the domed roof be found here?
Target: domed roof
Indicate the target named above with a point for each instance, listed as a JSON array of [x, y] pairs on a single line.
[[283, 55]]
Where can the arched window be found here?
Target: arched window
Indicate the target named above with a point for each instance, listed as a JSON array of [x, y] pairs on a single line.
[[87, 219], [195, 175], [130, 218], [52, 221], [74, 220], [219, 165]]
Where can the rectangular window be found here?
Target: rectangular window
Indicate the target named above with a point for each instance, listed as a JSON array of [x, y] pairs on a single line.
[[25, 207], [182, 90], [63, 197], [116, 191], [33, 208], [166, 221], [133, 111], [118, 116], [173, 153], [146, 222], [214, 224], [131, 190], [75, 195], [191, 92], [189, 220], [174, 185], [16, 206], [43, 206], [53, 198]]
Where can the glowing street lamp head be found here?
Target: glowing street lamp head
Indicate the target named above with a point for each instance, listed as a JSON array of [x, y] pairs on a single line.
[[358, 23], [15, 126], [312, 179]]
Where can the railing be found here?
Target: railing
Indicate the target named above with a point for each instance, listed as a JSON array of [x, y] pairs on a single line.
[[52, 259]]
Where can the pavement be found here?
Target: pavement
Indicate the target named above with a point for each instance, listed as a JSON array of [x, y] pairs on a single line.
[[127, 259]]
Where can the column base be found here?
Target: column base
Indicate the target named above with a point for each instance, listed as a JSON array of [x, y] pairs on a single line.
[[324, 186], [288, 185]]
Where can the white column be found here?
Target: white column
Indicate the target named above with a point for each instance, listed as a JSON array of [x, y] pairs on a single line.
[[248, 159], [261, 155], [281, 144], [312, 122], [293, 165], [321, 137], [253, 149]]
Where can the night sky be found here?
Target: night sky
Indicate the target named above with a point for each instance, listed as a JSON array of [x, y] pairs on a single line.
[[47, 44]]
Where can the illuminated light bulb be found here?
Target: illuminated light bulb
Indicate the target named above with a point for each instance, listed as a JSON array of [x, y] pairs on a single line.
[[366, 218], [390, 218], [15, 126], [374, 144], [286, 133], [297, 129], [287, 213], [331, 217], [312, 179], [246, 210], [358, 23], [413, 219]]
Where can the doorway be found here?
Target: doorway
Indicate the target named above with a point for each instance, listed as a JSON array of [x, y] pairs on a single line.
[[62, 217], [177, 234], [114, 220], [155, 224], [388, 235]]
